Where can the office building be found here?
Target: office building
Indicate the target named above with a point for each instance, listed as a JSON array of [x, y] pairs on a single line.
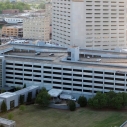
[[91, 24], [36, 28], [48, 10]]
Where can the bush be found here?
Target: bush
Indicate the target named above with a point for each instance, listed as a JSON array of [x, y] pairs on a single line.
[[22, 107], [3, 107], [10, 116], [108, 100], [82, 101], [71, 105], [90, 102], [43, 98]]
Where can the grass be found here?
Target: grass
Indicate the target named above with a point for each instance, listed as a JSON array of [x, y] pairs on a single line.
[[34, 116]]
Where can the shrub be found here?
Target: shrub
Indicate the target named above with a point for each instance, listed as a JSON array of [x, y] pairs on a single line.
[[10, 116], [3, 107], [90, 102], [82, 101], [108, 100], [43, 98], [22, 107], [71, 105]]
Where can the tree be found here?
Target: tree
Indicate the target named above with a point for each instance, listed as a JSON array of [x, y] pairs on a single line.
[[82, 101], [71, 105], [29, 97], [43, 98], [41, 6], [99, 101], [18, 5], [118, 101], [90, 102], [110, 99], [124, 96], [10, 116], [3, 107]]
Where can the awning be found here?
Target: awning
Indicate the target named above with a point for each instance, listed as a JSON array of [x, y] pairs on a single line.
[[54, 92], [65, 96]]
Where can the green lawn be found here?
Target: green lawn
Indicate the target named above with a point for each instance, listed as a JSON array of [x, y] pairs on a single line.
[[34, 116]]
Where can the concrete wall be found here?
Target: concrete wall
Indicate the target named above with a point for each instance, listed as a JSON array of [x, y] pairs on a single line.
[[71, 79], [78, 24], [9, 99], [25, 93], [16, 96]]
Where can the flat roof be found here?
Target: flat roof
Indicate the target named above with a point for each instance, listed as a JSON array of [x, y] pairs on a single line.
[[6, 121], [13, 26], [60, 55], [26, 89], [7, 94], [56, 59], [54, 92]]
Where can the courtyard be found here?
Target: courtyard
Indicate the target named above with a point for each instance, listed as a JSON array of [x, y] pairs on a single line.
[[35, 116]]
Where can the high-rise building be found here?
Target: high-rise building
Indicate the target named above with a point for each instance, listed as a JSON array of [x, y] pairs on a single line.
[[91, 24], [48, 10], [37, 28]]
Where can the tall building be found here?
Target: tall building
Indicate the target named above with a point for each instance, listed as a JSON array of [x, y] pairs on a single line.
[[91, 24], [37, 28], [48, 10]]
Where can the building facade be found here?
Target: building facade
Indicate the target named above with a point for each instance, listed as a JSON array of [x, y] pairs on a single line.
[[64, 71], [10, 11], [12, 31], [13, 20], [37, 28], [48, 10], [89, 24]]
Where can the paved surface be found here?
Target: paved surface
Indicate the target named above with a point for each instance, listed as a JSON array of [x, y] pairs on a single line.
[[125, 125]]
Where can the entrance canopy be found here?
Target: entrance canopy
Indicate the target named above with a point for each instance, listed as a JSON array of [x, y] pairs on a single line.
[[54, 92], [65, 96]]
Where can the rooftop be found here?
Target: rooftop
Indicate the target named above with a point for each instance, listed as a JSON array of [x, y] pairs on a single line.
[[26, 89], [13, 26], [110, 60], [7, 95], [54, 92]]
